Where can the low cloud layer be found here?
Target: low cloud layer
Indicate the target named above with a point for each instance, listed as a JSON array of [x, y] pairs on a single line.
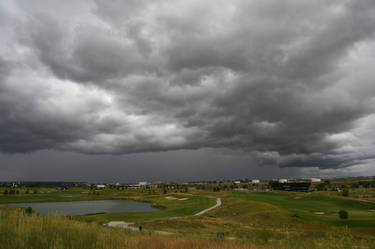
[[288, 82]]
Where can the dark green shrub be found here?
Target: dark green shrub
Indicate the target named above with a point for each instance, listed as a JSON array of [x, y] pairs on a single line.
[[29, 210], [345, 192], [343, 214]]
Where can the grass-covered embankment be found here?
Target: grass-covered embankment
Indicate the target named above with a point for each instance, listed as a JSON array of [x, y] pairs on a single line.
[[21, 231], [281, 220], [317, 209], [264, 219]]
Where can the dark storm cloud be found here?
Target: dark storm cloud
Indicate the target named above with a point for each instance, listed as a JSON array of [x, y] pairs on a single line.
[[279, 81]]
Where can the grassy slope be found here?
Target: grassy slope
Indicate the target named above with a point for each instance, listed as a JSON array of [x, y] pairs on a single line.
[[168, 208], [279, 219], [19, 231], [305, 206]]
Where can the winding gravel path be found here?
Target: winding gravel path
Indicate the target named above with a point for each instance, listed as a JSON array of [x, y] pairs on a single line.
[[218, 204]]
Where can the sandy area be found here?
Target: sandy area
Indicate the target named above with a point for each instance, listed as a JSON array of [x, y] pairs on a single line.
[[174, 198]]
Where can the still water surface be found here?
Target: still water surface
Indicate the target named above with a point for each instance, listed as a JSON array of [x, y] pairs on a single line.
[[87, 207]]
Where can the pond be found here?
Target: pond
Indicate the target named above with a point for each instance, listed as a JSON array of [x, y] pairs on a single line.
[[87, 207]]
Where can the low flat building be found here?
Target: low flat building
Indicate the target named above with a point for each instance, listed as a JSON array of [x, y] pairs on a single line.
[[291, 186], [315, 180]]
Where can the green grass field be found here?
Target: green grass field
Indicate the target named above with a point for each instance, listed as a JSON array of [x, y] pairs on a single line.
[[319, 209], [168, 208], [271, 219]]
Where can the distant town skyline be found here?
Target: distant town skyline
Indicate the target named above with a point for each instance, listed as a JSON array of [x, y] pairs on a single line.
[[135, 90]]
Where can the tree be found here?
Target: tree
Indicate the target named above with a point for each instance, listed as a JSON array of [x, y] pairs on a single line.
[[320, 187], [343, 214], [355, 185], [216, 189], [345, 192], [5, 192], [29, 210]]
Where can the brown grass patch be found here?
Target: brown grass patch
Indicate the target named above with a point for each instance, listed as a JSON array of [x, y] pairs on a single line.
[[173, 243]]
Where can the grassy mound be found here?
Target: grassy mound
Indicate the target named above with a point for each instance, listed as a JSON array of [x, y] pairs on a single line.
[[21, 231]]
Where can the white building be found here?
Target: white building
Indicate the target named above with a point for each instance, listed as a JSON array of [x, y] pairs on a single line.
[[283, 180], [255, 181], [142, 184], [100, 186], [315, 180], [237, 182]]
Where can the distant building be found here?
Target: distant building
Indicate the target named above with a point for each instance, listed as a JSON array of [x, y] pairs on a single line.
[[283, 180], [143, 184], [255, 181], [100, 186], [240, 189], [291, 186], [133, 186], [237, 182], [315, 180]]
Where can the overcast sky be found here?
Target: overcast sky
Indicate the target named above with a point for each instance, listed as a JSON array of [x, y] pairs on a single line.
[[182, 90]]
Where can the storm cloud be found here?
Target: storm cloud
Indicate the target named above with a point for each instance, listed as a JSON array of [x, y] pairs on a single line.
[[289, 83]]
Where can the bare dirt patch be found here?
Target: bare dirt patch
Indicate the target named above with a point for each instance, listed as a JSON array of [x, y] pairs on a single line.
[[170, 198]]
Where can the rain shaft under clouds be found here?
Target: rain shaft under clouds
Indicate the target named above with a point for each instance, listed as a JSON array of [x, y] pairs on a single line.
[[288, 82]]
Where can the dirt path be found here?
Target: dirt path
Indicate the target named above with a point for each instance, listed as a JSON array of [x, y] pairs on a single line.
[[218, 204]]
